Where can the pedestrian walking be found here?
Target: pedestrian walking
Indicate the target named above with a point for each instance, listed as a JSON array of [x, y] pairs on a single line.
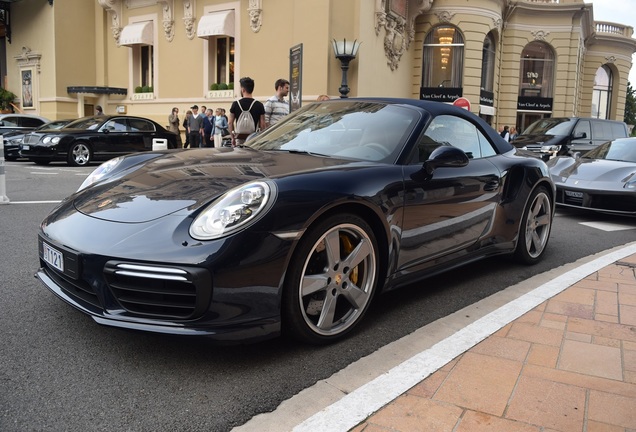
[[277, 107], [173, 125], [195, 127], [247, 104], [220, 128]]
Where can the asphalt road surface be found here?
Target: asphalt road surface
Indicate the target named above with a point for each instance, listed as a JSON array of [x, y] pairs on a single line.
[[59, 370]]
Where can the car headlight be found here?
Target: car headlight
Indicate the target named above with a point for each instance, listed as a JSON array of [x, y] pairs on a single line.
[[235, 210], [630, 182], [552, 148], [100, 172], [50, 139]]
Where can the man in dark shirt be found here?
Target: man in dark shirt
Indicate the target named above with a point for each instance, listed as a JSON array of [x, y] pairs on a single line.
[[257, 111]]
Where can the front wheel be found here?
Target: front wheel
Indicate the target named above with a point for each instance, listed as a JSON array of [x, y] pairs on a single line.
[[331, 280], [79, 154], [534, 229]]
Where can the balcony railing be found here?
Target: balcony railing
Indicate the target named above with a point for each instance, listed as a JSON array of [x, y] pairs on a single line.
[[613, 28]]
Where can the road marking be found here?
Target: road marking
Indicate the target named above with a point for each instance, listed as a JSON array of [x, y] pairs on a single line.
[[608, 226], [35, 202], [44, 173]]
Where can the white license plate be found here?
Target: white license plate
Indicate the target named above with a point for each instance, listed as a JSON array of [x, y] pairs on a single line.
[[25, 147], [574, 194], [53, 257]]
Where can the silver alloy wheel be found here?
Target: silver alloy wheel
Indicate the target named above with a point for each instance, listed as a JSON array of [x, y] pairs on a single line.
[[81, 154], [537, 226], [337, 280]]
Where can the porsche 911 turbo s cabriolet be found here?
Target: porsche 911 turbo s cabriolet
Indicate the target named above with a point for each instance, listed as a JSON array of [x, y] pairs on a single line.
[[95, 138], [602, 180], [298, 230]]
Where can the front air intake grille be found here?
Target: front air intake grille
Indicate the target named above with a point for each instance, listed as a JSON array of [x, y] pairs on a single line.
[[158, 291]]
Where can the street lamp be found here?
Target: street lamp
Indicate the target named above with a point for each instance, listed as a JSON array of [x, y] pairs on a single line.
[[345, 52]]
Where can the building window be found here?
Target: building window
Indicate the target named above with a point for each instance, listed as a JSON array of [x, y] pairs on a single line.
[[221, 57], [146, 66], [602, 93], [443, 58], [537, 71], [488, 63]]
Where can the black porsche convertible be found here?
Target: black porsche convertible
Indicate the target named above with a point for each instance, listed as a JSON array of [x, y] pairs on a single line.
[[297, 231]]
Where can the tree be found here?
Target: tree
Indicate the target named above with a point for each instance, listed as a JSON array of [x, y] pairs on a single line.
[[630, 107]]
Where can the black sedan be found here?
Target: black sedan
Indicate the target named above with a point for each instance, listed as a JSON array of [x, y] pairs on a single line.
[[96, 138], [13, 140], [297, 231], [603, 179]]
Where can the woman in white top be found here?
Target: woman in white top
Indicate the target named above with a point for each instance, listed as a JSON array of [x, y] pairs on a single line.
[[220, 124]]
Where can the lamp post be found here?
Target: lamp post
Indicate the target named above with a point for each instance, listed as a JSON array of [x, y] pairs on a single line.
[[345, 52]]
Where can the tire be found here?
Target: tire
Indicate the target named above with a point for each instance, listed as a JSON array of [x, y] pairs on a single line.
[[534, 229], [331, 280], [80, 154]]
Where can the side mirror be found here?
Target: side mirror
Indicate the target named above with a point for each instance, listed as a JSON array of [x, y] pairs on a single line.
[[582, 135], [445, 156]]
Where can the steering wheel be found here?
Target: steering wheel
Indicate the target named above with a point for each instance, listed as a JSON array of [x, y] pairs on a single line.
[[379, 148]]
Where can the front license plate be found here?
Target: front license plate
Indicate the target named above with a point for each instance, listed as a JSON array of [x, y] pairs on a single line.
[[53, 257], [574, 194], [25, 147]]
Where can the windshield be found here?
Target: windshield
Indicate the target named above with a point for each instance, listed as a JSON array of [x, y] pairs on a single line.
[[618, 150], [345, 129], [550, 126], [88, 123]]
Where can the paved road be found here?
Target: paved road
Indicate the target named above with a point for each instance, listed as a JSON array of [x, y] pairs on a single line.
[[61, 371]]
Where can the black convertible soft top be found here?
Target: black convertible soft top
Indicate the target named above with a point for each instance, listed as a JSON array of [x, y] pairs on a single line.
[[438, 108]]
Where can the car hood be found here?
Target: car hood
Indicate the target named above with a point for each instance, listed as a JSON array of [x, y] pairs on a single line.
[[186, 180], [582, 172]]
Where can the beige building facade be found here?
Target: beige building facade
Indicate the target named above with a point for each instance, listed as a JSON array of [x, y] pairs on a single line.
[[512, 61]]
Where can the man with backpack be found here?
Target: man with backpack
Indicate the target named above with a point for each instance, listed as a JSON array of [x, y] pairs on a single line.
[[247, 115]]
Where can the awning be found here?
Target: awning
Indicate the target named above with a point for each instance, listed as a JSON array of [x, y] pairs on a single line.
[[219, 23], [137, 34]]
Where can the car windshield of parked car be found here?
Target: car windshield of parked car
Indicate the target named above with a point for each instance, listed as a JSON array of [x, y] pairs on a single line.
[[88, 123], [550, 126], [618, 150], [368, 131]]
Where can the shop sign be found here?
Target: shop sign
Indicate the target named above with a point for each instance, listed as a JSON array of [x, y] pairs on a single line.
[[525, 103], [441, 94]]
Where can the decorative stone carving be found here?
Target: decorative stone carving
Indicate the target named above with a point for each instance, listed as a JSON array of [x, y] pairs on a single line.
[[113, 7], [399, 27], [497, 23], [255, 11], [28, 58], [188, 18], [167, 7], [444, 16], [610, 59], [539, 35]]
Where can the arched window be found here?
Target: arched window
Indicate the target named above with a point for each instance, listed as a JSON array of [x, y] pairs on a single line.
[[602, 93], [443, 58], [537, 71], [488, 63]]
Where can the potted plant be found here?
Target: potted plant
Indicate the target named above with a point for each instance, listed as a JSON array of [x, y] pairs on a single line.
[[6, 99]]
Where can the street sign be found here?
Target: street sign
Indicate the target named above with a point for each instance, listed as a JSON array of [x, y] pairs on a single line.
[[462, 102]]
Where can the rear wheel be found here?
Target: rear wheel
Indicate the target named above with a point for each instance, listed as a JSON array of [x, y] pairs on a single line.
[[331, 280], [79, 154], [535, 226]]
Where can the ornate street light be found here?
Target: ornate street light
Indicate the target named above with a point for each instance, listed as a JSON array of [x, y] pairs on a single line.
[[345, 52]]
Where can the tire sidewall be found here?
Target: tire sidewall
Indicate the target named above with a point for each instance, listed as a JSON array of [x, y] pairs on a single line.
[[71, 159]]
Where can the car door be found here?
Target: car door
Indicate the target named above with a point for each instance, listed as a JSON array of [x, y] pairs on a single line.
[[452, 208], [142, 133], [114, 139]]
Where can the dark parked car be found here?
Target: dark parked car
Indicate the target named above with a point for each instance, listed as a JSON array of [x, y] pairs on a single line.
[[550, 137], [12, 140], [96, 138], [298, 230], [18, 123], [603, 179]]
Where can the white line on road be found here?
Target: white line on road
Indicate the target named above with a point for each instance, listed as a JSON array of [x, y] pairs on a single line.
[[35, 202]]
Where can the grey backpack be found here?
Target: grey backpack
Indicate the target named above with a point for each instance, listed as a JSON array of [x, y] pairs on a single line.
[[245, 121]]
